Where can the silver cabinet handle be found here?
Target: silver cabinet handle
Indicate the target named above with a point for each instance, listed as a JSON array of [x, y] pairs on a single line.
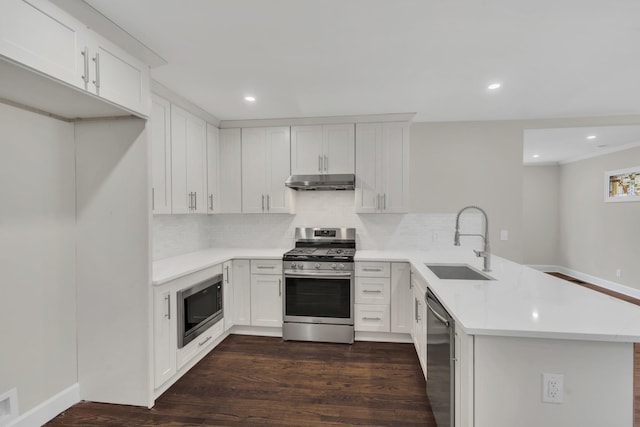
[[263, 202], [168, 299], [153, 199], [371, 318], [96, 82], [326, 163], [319, 163], [384, 202], [85, 77], [366, 291], [410, 279], [268, 203], [263, 267], [371, 269], [195, 201], [211, 202], [200, 344], [279, 287], [226, 279]]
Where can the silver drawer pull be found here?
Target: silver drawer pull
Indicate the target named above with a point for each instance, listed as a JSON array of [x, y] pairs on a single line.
[[371, 269], [263, 267], [372, 318], [366, 291], [205, 341]]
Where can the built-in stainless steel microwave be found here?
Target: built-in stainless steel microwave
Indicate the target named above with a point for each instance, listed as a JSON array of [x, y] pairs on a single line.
[[199, 307]]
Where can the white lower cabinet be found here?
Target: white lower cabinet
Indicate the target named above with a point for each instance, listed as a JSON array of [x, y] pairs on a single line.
[[401, 296], [241, 271], [228, 304], [419, 324], [191, 350], [372, 299], [164, 334], [266, 293]]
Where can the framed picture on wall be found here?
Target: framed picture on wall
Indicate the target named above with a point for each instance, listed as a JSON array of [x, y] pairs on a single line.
[[622, 185]]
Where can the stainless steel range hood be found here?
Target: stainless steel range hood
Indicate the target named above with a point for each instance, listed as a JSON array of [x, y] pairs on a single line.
[[321, 182]]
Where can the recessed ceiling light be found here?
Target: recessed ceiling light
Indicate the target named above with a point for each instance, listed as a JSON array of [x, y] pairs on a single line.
[[494, 86], [250, 98], [535, 156], [591, 137]]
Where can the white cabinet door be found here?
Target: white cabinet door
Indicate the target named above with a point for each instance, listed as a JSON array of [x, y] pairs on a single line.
[[322, 149], [368, 167], [160, 123], [395, 167], [339, 149], [265, 168], [227, 294], [241, 272], [266, 300], [278, 169], [229, 198], [254, 170], [401, 295], [39, 35], [164, 335], [188, 162], [213, 169], [382, 167], [306, 150], [117, 76]]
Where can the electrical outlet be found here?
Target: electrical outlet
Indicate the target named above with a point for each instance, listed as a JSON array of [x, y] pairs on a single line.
[[552, 388], [504, 234], [436, 236], [618, 273]]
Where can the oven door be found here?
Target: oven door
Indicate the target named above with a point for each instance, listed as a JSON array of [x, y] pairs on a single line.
[[318, 297]]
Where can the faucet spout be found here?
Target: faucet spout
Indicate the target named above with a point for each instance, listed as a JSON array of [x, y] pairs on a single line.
[[486, 253]]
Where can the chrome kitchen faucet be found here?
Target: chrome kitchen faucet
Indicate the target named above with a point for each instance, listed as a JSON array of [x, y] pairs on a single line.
[[486, 253]]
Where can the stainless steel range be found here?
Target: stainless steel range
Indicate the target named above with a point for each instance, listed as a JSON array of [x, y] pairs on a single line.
[[319, 286]]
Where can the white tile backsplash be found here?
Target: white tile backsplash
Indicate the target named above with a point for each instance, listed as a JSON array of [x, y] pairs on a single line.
[[177, 234]]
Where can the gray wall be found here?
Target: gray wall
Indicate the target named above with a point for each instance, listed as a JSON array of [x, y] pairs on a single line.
[[471, 163], [541, 215], [37, 256], [598, 237]]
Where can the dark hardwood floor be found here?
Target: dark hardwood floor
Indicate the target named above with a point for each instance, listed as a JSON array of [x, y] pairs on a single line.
[[636, 346], [263, 381]]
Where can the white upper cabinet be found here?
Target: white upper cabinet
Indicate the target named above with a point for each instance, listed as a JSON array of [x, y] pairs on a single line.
[[382, 167], [229, 198], [36, 34], [265, 168], [188, 162], [160, 123], [213, 169], [322, 149], [116, 76]]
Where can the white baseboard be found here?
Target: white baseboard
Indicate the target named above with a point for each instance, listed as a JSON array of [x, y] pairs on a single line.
[[607, 284], [49, 409]]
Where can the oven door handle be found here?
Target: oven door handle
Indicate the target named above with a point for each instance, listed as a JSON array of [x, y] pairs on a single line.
[[299, 275]]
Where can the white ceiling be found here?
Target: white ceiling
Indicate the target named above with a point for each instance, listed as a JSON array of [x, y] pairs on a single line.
[[313, 58], [568, 144]]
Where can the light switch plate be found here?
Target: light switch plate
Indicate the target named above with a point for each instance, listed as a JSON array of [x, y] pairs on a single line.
[[504, 234]]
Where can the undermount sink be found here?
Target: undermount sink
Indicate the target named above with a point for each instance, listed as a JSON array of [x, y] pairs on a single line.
[[457, 272]]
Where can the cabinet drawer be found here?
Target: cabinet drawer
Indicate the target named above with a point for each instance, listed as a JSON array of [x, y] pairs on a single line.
[[373, 290], [191, 350], [373, 269], [370, 317], [266, 266]]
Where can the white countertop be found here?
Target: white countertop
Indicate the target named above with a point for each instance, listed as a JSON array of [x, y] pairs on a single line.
[[521, 302]]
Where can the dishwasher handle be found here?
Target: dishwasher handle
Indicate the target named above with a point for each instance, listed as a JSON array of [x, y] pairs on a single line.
[[437, 315]]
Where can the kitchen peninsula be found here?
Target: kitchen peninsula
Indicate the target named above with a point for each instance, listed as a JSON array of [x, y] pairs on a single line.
[[509, 332]]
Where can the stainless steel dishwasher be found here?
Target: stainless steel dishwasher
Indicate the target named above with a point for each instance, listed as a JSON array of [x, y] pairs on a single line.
[[440, 361]]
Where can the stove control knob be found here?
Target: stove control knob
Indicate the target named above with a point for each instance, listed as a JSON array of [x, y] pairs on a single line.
[[300, 266], [317, 265], [341, 266], [334, 266], [293, 265]]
